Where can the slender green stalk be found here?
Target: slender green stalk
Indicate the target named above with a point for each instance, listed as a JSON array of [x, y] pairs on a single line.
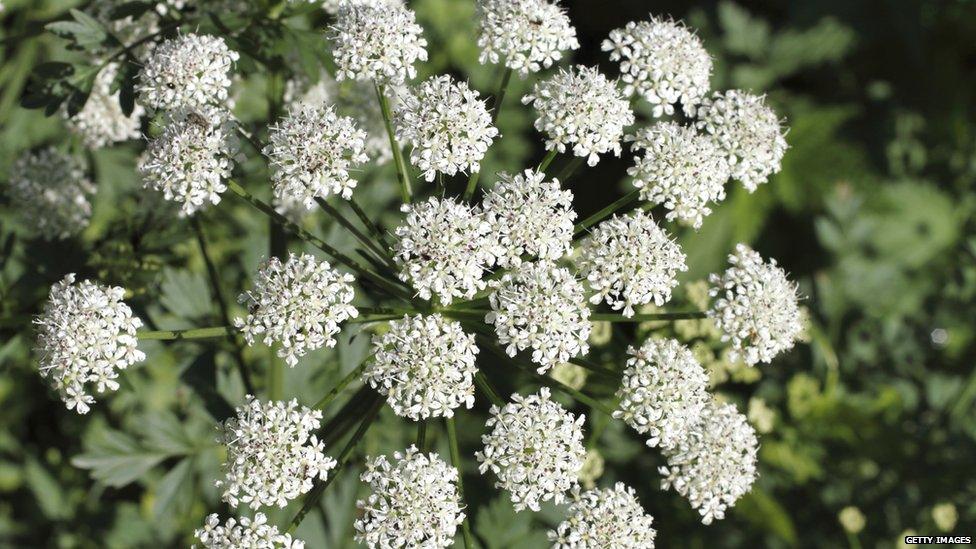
[[316, 494], [401, 165], [567, 172], [497, 107], [367, 222], [689, 315], [485, 387], [192, 333], [362, 238], [337, 390], [388, 285], [456, 461], [422, 435], [215, 286], [606, 212], [594, 367], [363, 319], [544, 165]]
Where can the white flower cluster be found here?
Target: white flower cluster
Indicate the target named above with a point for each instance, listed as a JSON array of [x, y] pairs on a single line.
[[542, 307], [535, 448], [581, 109], [447, 126], [748, 131], [663, 61], [529, 34], [663, 392], [299, 303], [244, 533], [50, 191], [377, 41], [757, 307], [272, 454], [86, 334], [680, 168], [629, 260], [311, 152], [605, 518], [443, 248], [425, 366], [332, 6], [190, 159], [190, 71], [414, 502], [716, 464], [101, 121], [529, 215]]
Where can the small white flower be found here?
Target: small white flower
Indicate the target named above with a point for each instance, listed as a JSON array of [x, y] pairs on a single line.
[[190, 159], [190, 71], [425, 366], [101, 121], [529, 215], [540, 306], [663, 392], [413, 502], [244, 533], [535, 448], [630, 261], [663, 61], [377, 41], [332, 6], [581, 109], [443, 248], [446, 124], [86, 334], [529, 34], [605, 518], [681, 169], [748, 131], [757, 307], [273, 455], [716, 463], [299, 304], [311, 152], [51, 193]]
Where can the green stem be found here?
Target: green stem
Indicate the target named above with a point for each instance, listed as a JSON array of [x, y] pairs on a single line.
[[500, 94], [266, 208], [606, 212], [367, 222], [362, 238], [401, 165], [689, 315], [316, 494], [192, 333], [567, 172], [485, 387], [544, 165], [594, 367], [421, 435], [337, 390], [456, 461]]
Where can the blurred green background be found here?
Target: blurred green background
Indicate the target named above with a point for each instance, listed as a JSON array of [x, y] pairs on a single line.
[[872, 214]]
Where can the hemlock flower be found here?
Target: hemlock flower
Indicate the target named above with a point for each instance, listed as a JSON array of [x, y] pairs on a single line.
[[311, 152], [51, 193], [447, 126], [716, 463], [535, 448], [680, 168], [413, 502], [299, 304], [663, 392], [663, 61], [190, 159], [581, 109], [244, 533], [528, 34], [605, 518], [424, 365], [541, 307], [529, 215], [332, 6], [756, 307], [630, 260], [272, 454], [190, 71], [101, 121], [748, 131], [377, 41], [443, 248], [86, 334]]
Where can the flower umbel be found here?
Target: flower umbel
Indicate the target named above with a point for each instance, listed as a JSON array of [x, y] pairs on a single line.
[[272, 454], [86, 334], [244, 533], [528, 34], [605, 518], [190, 71], [377, 41], [51, 192]]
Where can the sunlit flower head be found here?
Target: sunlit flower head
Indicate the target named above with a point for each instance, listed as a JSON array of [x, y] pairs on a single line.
[[605, 518], [189, 71], [244, 533], [528, 34], [377, 41]]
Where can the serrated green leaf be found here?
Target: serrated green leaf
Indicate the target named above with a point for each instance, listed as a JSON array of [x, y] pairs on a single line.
[[168, 490], [500, 527], [185, 294]]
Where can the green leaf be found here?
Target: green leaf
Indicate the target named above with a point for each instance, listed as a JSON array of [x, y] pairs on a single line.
[[54, 69], [164, 432], [201, 376], [116, 459], [500, 527], [186, 294], [766, 513], [46, 489], [85, 30], [169, 489]]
